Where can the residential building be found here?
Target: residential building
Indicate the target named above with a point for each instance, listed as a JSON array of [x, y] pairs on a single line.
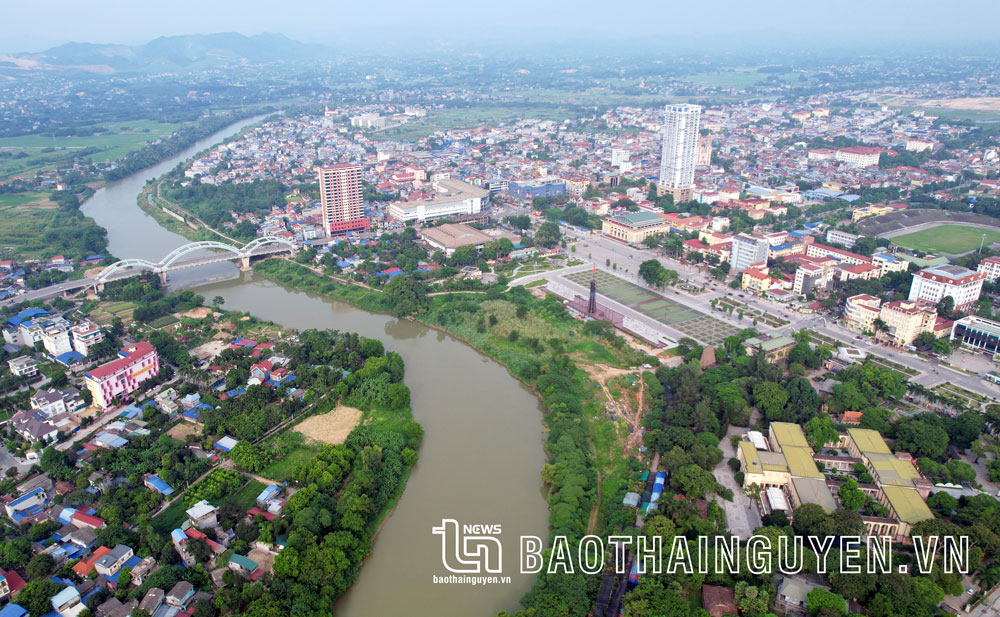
[[704, 158], [841, 237], [180, 595], [991, 267], [934, 283], [861, 311], [23, 366], [55, 338], [905, 320], [454, 198], [978, 333], [67, 602], [620, 159], [340, 198], [748, 250], [111, 562], [634, 227], [451, 236], [203, 515], [679, 152], [122, 376], [85, 335]]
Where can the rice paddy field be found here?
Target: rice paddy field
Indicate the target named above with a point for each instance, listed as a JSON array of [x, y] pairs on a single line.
[[686, 320]]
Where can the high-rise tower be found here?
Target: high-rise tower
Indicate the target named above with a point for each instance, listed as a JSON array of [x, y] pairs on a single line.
[[680, 150], [340, 196]]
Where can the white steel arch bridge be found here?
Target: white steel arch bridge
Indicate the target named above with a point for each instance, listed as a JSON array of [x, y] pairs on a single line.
[[173, 260]]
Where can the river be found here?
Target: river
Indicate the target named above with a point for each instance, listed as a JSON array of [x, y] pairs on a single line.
[[482, 454]]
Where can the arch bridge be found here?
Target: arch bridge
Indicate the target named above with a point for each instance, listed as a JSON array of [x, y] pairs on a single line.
[[174, 260]]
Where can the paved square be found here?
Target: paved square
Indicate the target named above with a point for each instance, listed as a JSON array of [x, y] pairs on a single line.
[[689, 321]]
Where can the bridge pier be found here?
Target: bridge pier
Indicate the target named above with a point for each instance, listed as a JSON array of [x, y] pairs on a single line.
[[245, 263], [163, 278]]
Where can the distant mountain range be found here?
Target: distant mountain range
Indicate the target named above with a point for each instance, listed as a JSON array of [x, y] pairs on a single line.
[[169, 53]]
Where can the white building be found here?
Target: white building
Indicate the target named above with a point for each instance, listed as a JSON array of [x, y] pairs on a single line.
[[841, 237], [859, 156], [85, 335], [55, 338], [748, 250], [680, 149], [991, 267], [934, 283], [454, 198], [24, 366], [620, 159], [889, 263]]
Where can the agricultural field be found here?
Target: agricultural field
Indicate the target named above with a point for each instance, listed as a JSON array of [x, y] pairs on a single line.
[[30, 153], [952, 239], [214, 487]]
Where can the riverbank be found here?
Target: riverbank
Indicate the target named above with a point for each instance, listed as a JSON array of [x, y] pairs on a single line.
[[169, 222], [542, 346]]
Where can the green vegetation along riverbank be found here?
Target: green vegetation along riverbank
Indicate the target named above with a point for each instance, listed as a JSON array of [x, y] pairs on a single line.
[[540, 344]]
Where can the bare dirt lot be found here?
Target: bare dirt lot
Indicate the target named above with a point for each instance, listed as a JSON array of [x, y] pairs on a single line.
[[332, 427], [181, 430], [983, 103]]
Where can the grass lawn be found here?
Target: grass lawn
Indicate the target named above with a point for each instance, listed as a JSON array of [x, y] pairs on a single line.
[[290, 450], [246, 497], [952, 239], [171, 518]]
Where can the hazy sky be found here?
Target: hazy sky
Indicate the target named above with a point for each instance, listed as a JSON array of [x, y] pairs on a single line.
[[34, 26]]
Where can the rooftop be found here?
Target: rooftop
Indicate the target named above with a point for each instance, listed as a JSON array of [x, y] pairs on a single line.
[[909, 507]]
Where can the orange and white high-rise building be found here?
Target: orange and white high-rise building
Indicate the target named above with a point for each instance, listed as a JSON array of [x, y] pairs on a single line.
[[340, 196]]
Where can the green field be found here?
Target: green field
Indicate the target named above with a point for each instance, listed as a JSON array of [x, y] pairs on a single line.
[[447, 119], [29, 153], [952, 239]]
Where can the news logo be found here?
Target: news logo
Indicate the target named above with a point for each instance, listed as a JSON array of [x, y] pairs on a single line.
[[470, 549]]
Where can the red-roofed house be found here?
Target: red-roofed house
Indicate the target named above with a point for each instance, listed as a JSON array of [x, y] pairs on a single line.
[[120, 377], [261, 370], [85, 566], [10, 583], [82, 519]]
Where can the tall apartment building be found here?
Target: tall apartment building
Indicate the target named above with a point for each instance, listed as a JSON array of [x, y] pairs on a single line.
[[936, 282], [748, 250], [340, 196], [680, 150]]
